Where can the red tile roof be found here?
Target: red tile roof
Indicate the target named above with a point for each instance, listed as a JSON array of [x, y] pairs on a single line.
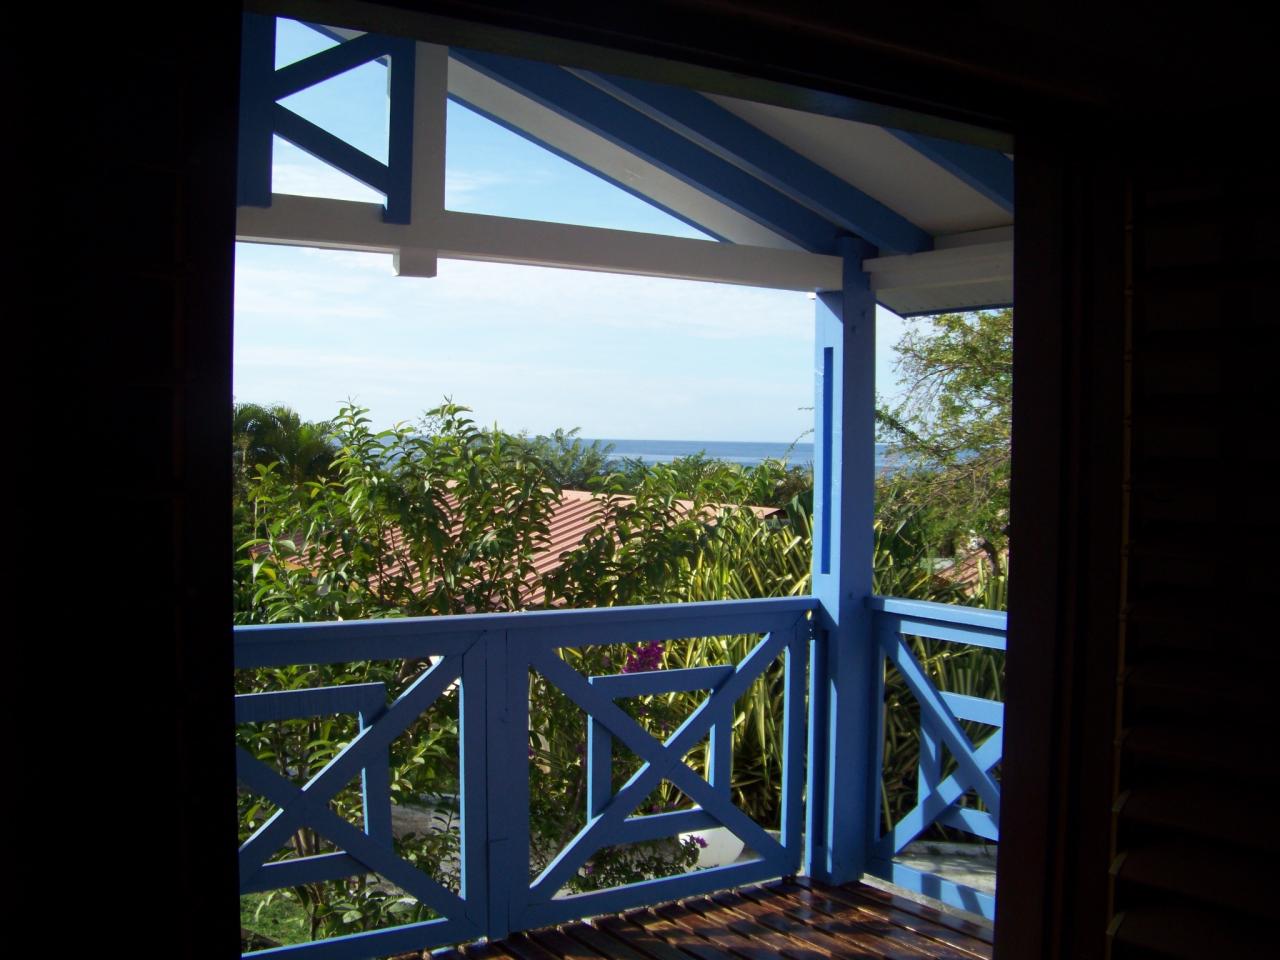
[[577, 513]]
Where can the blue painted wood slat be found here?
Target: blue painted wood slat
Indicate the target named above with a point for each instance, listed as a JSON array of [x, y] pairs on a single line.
[[989, 620], [335, 151], [506, 775], [295, 872], [254, 148], [952, 633], [366, 699], [400, 96], [281, 644], [794, 736], [474, 759], [327, 64]]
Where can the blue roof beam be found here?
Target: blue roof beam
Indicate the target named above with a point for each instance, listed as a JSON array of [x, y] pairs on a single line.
[[987, 171], [731, 138], [602, 114]]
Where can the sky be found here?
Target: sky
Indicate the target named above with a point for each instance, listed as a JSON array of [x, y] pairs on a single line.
[[527, 348]]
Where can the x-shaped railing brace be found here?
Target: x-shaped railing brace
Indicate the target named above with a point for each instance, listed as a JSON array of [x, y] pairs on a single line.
[[308, 805], [973, 764], [663, 760]]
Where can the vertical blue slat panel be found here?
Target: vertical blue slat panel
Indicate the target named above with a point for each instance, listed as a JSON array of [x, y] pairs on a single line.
[[257, 69], [506, 751], [815, 836], [843, 792], [473, 774], [929, 773], [793, 738], [720, 759], [599, 766], [375, 783]]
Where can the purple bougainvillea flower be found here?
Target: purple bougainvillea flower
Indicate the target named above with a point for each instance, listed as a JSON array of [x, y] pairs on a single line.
[[699, 841], [645, 657]]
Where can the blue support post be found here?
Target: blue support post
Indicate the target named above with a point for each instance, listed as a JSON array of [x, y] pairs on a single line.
[[257, 108], [844, 727]]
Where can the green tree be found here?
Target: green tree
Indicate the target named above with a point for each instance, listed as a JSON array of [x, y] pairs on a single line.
[[952, 429], [572, 462], [275, 433]]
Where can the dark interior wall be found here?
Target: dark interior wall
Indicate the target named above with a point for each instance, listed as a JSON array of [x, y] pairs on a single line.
[[1066, 500], [1191, 874], [1144, 268], [135, 154]]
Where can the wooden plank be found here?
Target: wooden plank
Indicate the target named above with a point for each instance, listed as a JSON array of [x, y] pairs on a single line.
[[485, 951], [799, 919], [771, 911], [917, 911], [523, 947], [679, 937], [714, 910], [558, 944], [854, 930], [603, 943], [695, 923], [639, 939], [953, 931], [939, 936]]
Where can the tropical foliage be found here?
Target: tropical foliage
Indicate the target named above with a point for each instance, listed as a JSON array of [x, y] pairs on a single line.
[[952, 428]]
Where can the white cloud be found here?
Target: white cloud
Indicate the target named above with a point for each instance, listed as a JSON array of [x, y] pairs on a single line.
[[460, 186], [526, 347], [319, 180]]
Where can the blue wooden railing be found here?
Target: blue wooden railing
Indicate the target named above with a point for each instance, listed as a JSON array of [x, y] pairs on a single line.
[[939, 799], [489, 657]]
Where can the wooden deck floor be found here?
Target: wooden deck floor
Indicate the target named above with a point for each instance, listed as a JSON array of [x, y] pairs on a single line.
[[798, 919]]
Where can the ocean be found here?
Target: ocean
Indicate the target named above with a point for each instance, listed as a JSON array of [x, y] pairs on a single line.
[[743, 452]]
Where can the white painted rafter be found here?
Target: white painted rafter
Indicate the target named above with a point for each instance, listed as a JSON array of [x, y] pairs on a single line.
[[350, 225], [974, 272]]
